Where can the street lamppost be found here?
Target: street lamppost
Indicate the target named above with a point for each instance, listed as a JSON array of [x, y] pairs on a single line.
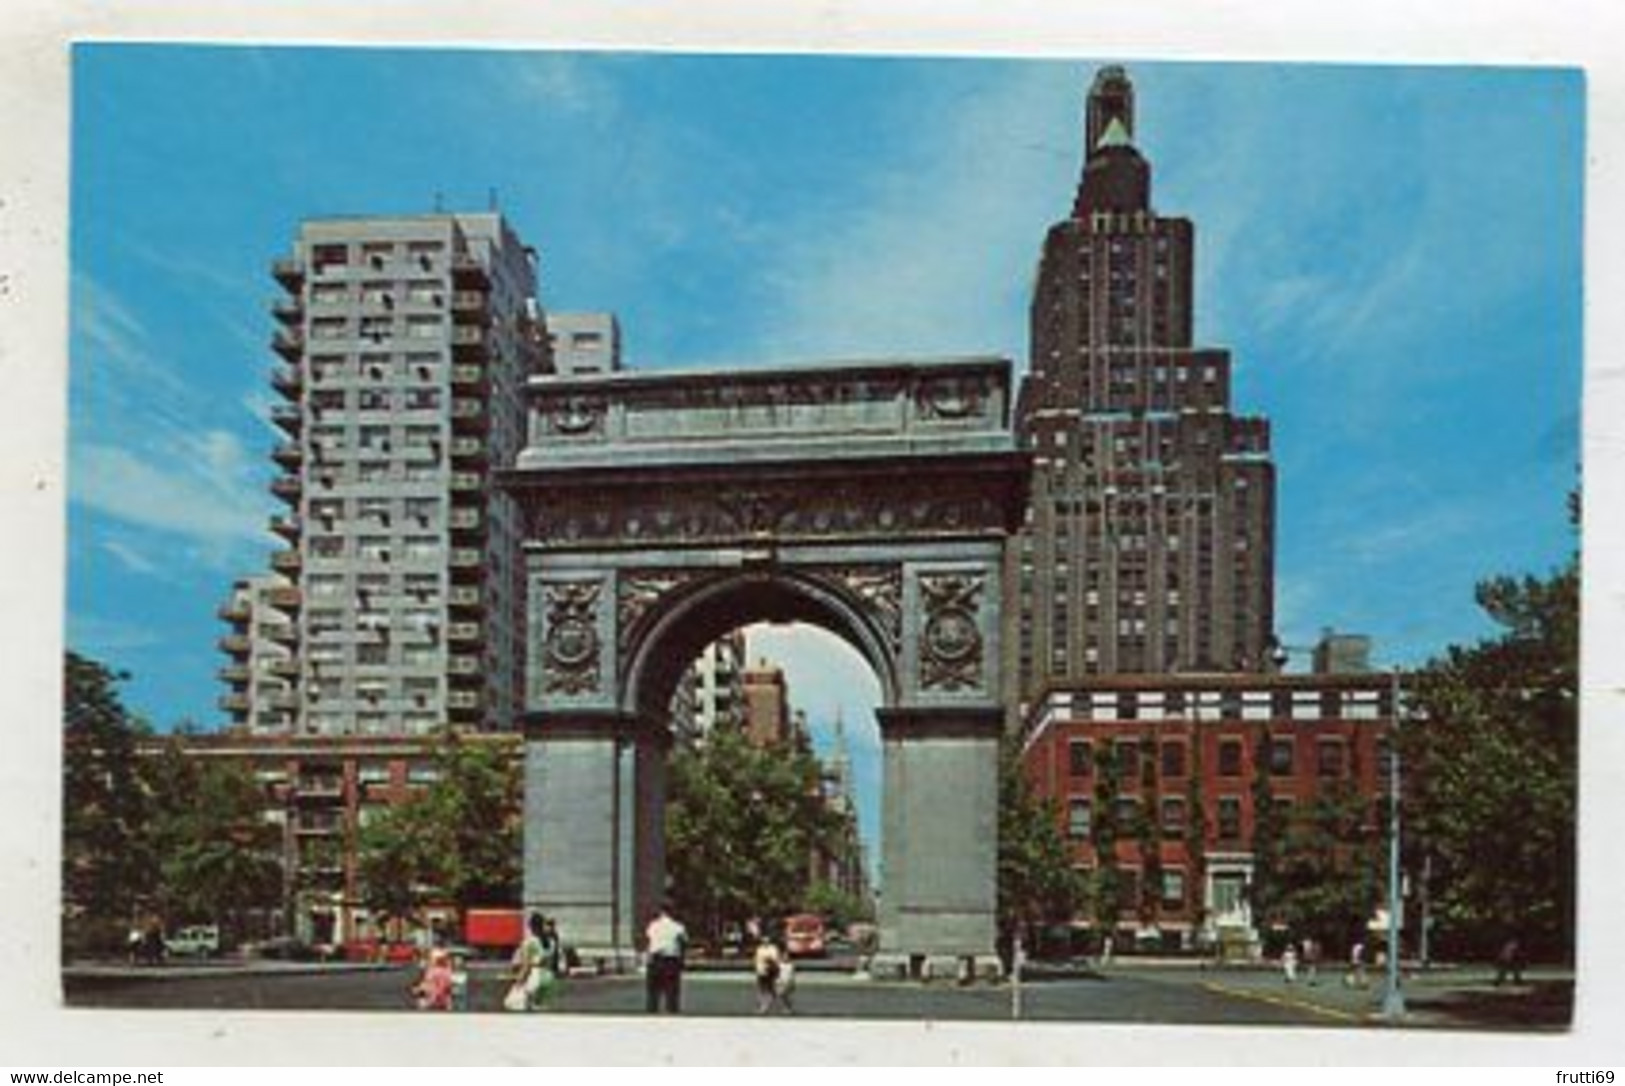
[[1393, 1000]]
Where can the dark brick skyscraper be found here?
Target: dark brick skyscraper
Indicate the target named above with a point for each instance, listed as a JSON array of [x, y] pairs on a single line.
[[1150, 541]]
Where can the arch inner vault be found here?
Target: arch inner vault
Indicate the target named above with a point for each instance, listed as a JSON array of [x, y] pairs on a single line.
[[663, 509]]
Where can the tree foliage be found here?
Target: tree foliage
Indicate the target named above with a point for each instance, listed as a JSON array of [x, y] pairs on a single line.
[[1491, 771], [742, 823], [1036, 882], [108, 870], [457, 841], [217, 855]]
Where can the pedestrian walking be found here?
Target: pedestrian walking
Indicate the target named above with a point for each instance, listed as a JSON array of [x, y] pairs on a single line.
[[1356, 973], [785, 990], [1289, 963], [768, 964], [531, 978], [1311, 961], [459, 982], [1509, 962], [667, 941]]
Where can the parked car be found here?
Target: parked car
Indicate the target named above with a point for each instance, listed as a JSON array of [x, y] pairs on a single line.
[[196, 941]]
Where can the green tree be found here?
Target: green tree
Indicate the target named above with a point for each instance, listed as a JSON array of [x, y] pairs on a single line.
[[1324, 866], [1036, 882], [1147, 832], [1107, 882], [217, 855], [741, 825], [108, 871], [456, 842], [1266, 893], [1490, 757]]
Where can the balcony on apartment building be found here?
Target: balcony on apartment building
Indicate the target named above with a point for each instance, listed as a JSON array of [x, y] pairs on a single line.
[[289, 417], [469, 305], [289, 271], [288, 488], [289, 343], [235, 610], [288, 380], [286, 561], [468, 448], [235, 644], [466, 269]]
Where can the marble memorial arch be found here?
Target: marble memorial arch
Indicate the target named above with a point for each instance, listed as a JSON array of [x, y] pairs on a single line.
[[662, 510]]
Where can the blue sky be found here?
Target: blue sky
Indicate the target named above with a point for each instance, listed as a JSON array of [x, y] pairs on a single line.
[[1392, 254]]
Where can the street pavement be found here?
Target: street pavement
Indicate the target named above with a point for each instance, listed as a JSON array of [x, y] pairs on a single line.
[[1132, 993]]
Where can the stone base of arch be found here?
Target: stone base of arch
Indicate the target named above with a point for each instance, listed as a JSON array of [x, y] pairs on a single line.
[[939, 839], [594, 844]]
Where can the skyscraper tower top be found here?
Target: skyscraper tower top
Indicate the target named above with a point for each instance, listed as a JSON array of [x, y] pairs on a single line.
[[1116, 177], [1111, 97]]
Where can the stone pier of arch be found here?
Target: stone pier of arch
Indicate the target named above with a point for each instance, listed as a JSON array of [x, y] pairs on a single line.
[[662, 510]]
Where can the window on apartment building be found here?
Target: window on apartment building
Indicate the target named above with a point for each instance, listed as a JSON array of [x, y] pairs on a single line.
[[1173, 758], [373, 547], [372, 655], [1333, 760], [426, 546], [1229, 811], [375, 439], [1173, 815], [1230, 754], [373, 399], [422, 399], [1078, 813], [1128, 889], [1282, 756], [1173, 888], [374, 511], [1127, 755], [1126, 814], [1080, 757], [326, 546]]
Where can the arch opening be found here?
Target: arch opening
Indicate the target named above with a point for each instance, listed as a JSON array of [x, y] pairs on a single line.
[[703, 614]]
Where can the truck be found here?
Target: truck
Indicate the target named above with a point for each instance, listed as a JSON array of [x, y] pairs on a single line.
[[493, 932]]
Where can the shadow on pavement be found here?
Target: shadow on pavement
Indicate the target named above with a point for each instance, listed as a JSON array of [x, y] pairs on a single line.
[[1539, 1005]]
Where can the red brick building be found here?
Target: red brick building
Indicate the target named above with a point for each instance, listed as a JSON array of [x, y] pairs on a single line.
[[320, 790], [1178, 744]]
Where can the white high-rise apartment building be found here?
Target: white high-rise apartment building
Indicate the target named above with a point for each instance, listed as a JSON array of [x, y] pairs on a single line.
[[405, 342]]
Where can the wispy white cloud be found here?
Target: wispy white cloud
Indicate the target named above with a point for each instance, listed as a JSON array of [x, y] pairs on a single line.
[[566, 83], [938, 257], [131, 557], [100, 636], [202, 488]]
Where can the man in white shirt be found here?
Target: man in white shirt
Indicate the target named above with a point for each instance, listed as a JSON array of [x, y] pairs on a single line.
[[663, 977]]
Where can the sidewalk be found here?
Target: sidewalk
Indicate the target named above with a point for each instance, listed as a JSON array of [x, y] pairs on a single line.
[[1447, 998]]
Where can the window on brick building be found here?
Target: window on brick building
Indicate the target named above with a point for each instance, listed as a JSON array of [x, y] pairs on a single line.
[[1173, 817], [1173, 759], [1079, 757], [1229, 818], [1281, 757], [1230, 758], [1173, 889], [1078, 815], [1128, 760], [1333, 758]]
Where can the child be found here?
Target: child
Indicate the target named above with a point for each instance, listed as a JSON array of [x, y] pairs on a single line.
[[433, 989]]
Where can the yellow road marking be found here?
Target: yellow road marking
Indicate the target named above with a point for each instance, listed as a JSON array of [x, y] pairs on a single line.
[[1282, 1001]]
